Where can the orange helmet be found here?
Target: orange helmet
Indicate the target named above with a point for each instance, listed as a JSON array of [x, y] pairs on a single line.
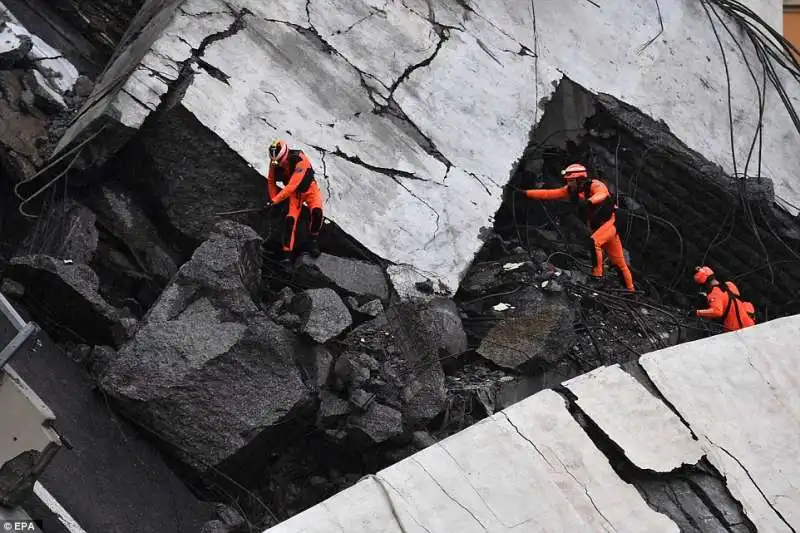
[[574, 171], [278, 151], [701, 274]]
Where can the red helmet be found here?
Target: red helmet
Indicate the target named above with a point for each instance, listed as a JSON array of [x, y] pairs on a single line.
[[701, 274], [574, 171], [278, 151]]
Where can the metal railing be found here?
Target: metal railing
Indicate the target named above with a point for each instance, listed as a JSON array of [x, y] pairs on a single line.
[[24, 330]]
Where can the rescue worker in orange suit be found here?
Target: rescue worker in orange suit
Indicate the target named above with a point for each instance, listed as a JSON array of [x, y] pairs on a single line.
[[724, 302], [294, 171], [597, 207]]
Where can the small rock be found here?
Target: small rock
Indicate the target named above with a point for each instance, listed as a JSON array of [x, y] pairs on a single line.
[[229, 516], [379, 424], [323, 314], [360, 399], [83, 86], [423, 439], [518, 250], [373, 308], [331, 409], [101, 357], [12, 288], [349, 371], [539, 256], [316, 366]]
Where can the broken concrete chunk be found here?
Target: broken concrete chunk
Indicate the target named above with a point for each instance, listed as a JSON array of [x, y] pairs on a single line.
[[13, 47], [45, 97], [121, 216], [71, 236], [208, 371], [83, 314], [373, 308], [331, 409], [53, 66], [351, 276], [322, 312], [534, 332], [316, 365], [423, 439], [379, 424], [424, 397], [83, 87], [649, 433]]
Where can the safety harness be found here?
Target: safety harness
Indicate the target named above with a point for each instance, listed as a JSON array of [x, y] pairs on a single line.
[[601, 212], [282, 176], [731, 298]]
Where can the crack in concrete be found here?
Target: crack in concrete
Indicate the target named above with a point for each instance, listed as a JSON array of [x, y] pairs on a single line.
[[481, 182], [392, 109], [443, 34], [448, 494], [325, 175], [477, 493], [153, 73], [513, 425], [400, 494], [586, 491], [138, 101], [178, 87], [483, 46], [373, 11], [753, 481], [435, 212]]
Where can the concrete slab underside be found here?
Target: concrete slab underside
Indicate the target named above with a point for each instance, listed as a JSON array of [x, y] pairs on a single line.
[[532, 467]]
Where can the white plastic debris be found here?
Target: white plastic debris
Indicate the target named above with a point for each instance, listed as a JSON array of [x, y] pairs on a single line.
[[512, 266], [502, 307], [68, 261]]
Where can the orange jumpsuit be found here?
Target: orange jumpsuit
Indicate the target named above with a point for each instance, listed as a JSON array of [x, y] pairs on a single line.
[[602, 221], [299, 186], [734, 312]]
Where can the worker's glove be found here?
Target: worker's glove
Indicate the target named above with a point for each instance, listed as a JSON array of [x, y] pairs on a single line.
[[520, 192], [692, 313], [583, 203]]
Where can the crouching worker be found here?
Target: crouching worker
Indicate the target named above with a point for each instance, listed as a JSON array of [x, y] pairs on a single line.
[[293, 170], [724, 302], [596, 206]]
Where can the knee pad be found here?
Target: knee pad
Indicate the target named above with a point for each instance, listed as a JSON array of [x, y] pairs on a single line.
[[316, 221]]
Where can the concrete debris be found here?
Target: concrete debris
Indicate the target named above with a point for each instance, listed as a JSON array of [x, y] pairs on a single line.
[[208, 371], [70, 234], [84, 315], [379, 424], [351, 276], [322, 313], [13, 47], [122, 217], [533, 335], [332, 409], [501, 307]]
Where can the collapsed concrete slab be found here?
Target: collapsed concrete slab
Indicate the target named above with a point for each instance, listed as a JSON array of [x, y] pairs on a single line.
[[631, 416], [738, 394], [410, 166]]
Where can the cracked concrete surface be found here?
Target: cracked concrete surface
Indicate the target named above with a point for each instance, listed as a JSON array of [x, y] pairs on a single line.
[[630, 416], [434, 92], [738, 393], [535, 466]]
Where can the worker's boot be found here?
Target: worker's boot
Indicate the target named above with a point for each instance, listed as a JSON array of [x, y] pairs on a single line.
[[313, 248]]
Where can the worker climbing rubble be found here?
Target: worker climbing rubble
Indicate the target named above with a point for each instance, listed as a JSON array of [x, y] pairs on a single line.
[[724, 302], [597, 207], [294, 170]]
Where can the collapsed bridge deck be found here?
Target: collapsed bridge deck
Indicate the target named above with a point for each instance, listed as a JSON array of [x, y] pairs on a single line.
[[548, 463]]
